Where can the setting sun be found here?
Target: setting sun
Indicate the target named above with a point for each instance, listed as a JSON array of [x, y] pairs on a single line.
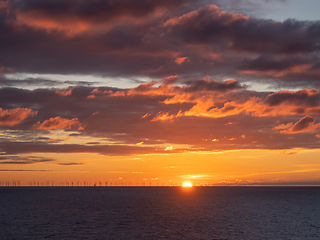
[[187, 184]]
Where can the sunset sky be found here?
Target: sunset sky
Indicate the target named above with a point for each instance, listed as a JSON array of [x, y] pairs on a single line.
[[160, 92]]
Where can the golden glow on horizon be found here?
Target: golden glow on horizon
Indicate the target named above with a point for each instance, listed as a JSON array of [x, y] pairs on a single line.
[[187, 184], [238, 167]]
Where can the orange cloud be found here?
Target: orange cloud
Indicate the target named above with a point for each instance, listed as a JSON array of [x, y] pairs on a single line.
[[213, 10], [4, 69], [205, 106], [60, 123], [76, 20], [146, 115], [15, 116], [171, 79], [283, 126], [305, 124], [167, 88], [286, 152], [118, 94], [213, 99], [40, 20], [70, 24], [279, 73], [163, 117], [98, 93], [283, 103], [179, 61], [65, 92]]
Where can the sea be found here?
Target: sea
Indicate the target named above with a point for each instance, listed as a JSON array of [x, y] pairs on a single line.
[[159, 213]]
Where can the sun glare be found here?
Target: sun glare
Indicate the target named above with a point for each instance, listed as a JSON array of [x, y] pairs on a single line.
[[187, 184]]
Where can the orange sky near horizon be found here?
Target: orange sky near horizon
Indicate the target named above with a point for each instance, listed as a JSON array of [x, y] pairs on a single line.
[[238, 167]]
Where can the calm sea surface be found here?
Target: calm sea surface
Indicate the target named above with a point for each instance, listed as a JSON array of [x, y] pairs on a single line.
[[160, 212]]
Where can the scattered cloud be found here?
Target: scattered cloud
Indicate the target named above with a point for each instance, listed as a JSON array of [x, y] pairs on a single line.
[[10, 117], [60, 123]]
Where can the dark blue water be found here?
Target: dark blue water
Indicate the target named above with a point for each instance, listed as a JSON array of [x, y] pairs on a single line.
[[163, 212]]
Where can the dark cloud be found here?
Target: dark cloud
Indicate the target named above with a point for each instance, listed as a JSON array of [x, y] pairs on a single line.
[[241, 33], [213, 85], [23, 170], [302, 97], [303, 124], [40, 82], [253, 7], [93, 143], [265, 64], [10, 148], [93, 11], [160, 39], [23, 160], [27, 82], [70, 164]]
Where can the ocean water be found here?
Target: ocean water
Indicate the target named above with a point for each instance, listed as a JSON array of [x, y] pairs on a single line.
[[159, 212]]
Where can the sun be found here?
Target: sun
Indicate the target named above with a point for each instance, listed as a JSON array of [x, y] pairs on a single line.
[[187, 184]]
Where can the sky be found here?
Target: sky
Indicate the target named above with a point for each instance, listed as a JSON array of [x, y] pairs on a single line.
[[149, 92]]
